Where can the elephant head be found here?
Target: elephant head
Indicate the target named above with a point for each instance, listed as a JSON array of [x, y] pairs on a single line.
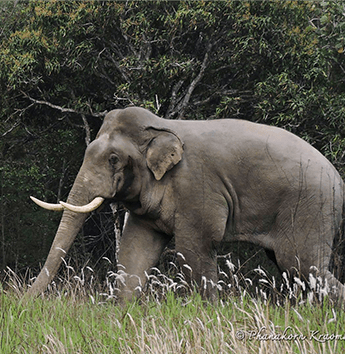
[[131, 150]]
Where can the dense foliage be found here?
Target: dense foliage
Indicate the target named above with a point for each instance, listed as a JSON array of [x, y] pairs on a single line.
[[63, 64]]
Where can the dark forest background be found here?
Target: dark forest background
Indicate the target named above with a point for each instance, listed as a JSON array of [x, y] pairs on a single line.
[[64, 64]]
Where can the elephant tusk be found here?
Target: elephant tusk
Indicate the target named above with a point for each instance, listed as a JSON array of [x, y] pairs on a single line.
[[84, 208], [55, 207]]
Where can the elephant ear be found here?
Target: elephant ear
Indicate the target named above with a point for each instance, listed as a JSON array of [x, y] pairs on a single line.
[[163, 152]]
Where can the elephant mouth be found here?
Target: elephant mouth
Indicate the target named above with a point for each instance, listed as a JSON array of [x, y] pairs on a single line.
[[88, 208]]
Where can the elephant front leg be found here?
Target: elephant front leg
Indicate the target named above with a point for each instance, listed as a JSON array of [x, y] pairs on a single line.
[[198, 260], [140, 250], [197, 235]]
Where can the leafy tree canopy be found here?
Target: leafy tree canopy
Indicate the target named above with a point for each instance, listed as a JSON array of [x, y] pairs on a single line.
[[63, 64]]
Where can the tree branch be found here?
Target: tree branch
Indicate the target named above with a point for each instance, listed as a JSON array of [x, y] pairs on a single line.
[[15, 125], [87, 130], [181, 106], [170, 110], [62, 109], [118, 67]]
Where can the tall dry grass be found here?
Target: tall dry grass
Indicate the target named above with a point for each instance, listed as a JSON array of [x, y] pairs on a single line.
[[79, 314]]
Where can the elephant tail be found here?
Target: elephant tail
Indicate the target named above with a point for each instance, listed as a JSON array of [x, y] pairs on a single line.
[[342, 224], [337, 264], [342, 229]]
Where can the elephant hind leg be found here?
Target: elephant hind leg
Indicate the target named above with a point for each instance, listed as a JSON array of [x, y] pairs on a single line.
[[337, 289], [318, 268]]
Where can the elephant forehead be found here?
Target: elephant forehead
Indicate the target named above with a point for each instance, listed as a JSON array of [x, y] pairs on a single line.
[[98, 147], [123, 118], [130, 122], [107, 144]]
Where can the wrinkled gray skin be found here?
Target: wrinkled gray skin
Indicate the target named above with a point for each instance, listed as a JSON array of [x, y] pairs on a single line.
[[205, 182]]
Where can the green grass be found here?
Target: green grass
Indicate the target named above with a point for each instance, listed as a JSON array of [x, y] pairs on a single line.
[[174, 325], [69, 325], [81, 319]]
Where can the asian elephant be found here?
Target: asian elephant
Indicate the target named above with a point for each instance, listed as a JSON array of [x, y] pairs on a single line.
[[204, 182]]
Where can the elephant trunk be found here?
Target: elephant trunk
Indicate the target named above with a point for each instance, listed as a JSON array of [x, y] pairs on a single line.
[[70, 224]]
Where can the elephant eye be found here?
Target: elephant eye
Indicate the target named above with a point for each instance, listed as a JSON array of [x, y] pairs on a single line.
[[113, 160]]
